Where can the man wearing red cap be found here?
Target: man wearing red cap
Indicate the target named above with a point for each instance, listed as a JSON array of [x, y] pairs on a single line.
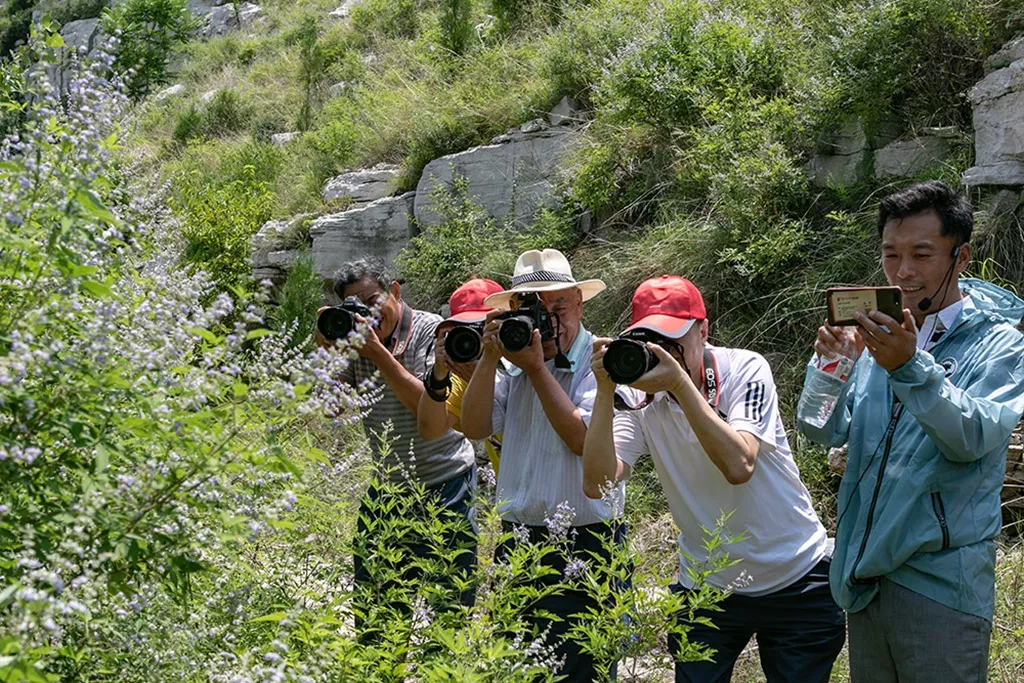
[[440, 406], [711, 421]]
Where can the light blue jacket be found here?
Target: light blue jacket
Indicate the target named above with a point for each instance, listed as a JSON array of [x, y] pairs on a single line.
[[936, 502]]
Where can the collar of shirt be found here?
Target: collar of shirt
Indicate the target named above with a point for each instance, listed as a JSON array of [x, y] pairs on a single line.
[[938, 322], [575, 354], [675, 407]]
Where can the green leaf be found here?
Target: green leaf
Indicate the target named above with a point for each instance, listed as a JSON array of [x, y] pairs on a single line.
[[276, 617], [55, 40], [102, 460], [94, 206], [206, 335], [98, 289], [259, 333]]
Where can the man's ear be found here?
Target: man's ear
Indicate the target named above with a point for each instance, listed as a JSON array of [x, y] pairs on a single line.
[[963, 259], [395, 291], [704, 327]]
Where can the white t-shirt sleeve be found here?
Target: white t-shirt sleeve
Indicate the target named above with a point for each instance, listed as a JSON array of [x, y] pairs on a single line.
[[751, 405], [628, 433], [501, 388], [584, 396]]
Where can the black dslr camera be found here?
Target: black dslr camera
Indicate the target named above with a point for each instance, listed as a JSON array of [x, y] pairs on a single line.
[[337, 321], [464, 342], [516, 331], [627, 358]]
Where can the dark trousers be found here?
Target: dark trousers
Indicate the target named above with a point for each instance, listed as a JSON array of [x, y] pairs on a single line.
[[904, 637], [800, 631], [390, 546], [588, 545]]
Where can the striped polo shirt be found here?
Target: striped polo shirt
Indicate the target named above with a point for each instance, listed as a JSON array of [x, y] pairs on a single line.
[[538, 471], [429, 462]]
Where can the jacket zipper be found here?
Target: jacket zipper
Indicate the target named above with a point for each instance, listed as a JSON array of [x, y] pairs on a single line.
[[940, 513], [897, 410]]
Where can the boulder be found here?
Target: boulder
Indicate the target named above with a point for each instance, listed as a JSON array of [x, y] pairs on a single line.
[[566, 112], [361, 186], [173, 91], [282, 139], [274, 266], [998, 102], [208, 96], [907, 158], [1007, 55], [337, 89], [841, 157], [381, 228], [516, 176], [344, 11], [224, 18]]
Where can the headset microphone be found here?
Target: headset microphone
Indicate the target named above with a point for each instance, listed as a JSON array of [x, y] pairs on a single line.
[[925, 303]]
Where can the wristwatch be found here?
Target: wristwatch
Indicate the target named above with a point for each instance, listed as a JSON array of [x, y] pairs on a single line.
[[437, 390]]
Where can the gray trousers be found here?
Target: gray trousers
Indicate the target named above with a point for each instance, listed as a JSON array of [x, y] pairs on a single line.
[[904, 637]]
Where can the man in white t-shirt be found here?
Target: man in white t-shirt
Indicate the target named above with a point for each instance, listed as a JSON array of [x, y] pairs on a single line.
[[711, 422]]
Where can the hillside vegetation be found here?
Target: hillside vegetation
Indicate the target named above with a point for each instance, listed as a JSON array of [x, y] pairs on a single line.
[[176, 507]]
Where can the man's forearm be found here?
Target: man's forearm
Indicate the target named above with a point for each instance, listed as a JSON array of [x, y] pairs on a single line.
[[733, 455], [407, 388], [432, 418], [478, 401], [560, 410], [600, 464]]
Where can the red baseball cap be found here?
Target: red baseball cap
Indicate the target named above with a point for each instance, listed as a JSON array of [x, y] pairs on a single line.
[[467, 302], [668, 305]]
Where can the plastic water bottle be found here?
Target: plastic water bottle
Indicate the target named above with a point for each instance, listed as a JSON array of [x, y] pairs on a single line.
[[822, 389]]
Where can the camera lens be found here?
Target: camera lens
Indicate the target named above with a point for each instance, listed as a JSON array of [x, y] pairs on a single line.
[[516, 333], [335, 323], [463, 344], [627, 360]]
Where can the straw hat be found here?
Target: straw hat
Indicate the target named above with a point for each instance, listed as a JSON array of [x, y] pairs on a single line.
[[542, 271]]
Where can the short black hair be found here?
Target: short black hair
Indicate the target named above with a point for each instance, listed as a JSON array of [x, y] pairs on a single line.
[[360, 269], [954, 210]]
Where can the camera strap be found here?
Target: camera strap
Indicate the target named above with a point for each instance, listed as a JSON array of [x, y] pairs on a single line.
[[710, 390], [403, 332]]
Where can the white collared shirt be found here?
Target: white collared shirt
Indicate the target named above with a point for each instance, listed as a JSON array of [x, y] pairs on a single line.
[[938, 322], [538, 471]]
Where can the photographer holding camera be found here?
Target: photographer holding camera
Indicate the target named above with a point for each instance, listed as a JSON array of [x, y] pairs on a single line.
[[543, 406], [711, 421], [400, 349], [927, 415], [457, 349]]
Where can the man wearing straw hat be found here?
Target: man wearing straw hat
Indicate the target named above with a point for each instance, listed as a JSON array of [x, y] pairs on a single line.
[[543, 406]]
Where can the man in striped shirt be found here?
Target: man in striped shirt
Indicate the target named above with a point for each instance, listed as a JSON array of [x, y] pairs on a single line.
[[400, 350], [543, 406]]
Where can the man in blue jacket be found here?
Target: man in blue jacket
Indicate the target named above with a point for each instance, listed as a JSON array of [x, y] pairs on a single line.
[[927, 414]]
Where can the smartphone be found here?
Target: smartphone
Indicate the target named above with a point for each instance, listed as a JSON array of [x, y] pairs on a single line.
[[843, 302]]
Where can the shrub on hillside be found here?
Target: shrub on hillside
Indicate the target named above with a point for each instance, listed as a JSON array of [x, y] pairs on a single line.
[[386, 18], [150, 32], [218, 224], [455, 24], [300, 297]]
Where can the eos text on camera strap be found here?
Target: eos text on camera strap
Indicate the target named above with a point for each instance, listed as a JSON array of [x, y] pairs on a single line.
[[710, 389], [403, 332]]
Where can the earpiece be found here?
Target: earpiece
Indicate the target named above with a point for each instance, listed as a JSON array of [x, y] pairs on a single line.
[[926, 303]]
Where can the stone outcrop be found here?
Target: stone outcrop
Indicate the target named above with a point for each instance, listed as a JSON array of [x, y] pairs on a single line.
[[843, 156], [907, 158], [363, 186], [81, 40], [224, 18], [381, 228], [998, 102], [515, 175], [173, 91]]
